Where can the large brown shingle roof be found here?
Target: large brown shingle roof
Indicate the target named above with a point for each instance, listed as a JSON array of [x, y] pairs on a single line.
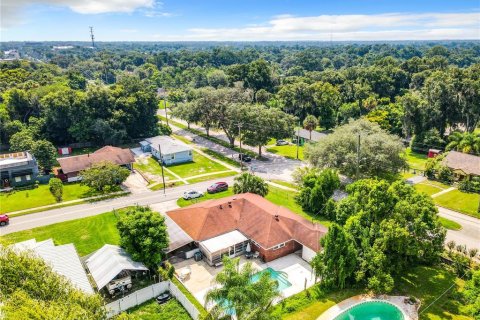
[[108, 153], [257, 218], [468, 163]]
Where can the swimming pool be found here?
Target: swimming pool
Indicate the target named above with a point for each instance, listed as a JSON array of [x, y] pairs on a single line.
[[281, 278], [372, 310]]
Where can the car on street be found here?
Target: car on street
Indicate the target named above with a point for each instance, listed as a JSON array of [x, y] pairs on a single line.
[[243, 157], [192, 194], [217, 187], [4, 219], [164, 297], [281, 143]]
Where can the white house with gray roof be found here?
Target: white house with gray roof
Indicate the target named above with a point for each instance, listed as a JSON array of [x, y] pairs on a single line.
[[167, 149]]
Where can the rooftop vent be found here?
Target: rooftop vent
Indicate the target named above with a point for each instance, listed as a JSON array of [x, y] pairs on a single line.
[[221, 207], [276, 217], [229, 204]]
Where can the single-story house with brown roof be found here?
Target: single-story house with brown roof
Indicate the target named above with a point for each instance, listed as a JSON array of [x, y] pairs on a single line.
[[227, 226], [463, 165], [71, 166]]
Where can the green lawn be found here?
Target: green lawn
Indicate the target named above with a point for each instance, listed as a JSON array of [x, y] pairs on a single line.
[[161, 104], [151, 166], [460, 201], [276, 195], [416, 160], [425, 283], [168, 185], [199, 165], [431, 187], [221, 157], [41, 196], [303, 307], [207, 196], [449, 224], [289, 151], [151, 310], [87, 234], [213, 176], [285, 183]]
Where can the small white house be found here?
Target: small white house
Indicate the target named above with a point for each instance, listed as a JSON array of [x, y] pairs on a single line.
[[167, 149]]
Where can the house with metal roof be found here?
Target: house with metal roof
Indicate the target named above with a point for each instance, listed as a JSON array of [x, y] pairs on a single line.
[[169, 150], [18, 168], [63, 259]]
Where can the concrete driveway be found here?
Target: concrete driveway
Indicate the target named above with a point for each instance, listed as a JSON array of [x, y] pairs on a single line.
[[469, 235]]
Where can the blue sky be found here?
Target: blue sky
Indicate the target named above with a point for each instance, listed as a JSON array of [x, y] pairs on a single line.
[[150, 20]]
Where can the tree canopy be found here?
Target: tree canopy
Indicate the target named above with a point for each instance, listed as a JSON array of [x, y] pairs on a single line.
[[385, 228], [237, 294], [30, 289], [143, 234], [380, 153], [248, 182]]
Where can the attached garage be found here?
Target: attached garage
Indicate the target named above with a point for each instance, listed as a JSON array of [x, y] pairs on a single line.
[[308, 254]]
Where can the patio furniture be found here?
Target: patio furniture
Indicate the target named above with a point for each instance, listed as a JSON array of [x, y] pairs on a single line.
[[256, 255], [248, 255], [185, 273]]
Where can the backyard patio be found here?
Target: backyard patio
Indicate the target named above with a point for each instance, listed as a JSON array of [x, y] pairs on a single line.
[[201, 275]]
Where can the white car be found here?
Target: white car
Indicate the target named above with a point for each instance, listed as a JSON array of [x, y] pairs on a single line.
[[192, 194]]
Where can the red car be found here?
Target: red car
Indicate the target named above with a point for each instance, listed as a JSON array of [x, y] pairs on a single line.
[[217, 187], [4, 219]]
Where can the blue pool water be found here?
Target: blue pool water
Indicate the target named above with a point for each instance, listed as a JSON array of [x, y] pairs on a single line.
[[372, 310], [281, 278]]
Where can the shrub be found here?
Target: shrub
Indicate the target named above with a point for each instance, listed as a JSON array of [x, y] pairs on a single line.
[[56, 188]]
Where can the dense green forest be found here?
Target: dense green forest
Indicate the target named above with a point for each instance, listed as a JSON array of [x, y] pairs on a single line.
[[108, 95]]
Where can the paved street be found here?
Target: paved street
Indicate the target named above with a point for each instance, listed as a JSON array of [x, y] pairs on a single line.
[[276, 167], [44, 218], [470, 233]]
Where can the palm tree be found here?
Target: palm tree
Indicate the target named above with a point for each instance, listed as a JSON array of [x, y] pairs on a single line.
[[465, 142], [236, 294], [310, 123], [247, 182]]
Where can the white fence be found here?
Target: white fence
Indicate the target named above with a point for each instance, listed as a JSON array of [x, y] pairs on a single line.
[[142, 295]]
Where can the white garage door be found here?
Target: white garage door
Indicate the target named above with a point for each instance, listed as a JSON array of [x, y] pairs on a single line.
[[308, 254]]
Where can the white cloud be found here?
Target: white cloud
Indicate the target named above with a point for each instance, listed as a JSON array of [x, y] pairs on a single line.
[[388, 26], [11, 10]]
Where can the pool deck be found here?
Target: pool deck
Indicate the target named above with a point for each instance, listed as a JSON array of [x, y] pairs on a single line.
[[201, 280], [410, 312]]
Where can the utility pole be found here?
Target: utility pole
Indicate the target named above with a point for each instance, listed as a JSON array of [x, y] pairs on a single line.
[[298, 137], [92, 37], [161, 165], [358, 157], [165, 104], [240, 143]]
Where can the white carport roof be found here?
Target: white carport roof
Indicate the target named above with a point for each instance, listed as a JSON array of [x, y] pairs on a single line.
[[63, 259], [223, 241], [105, 264]]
